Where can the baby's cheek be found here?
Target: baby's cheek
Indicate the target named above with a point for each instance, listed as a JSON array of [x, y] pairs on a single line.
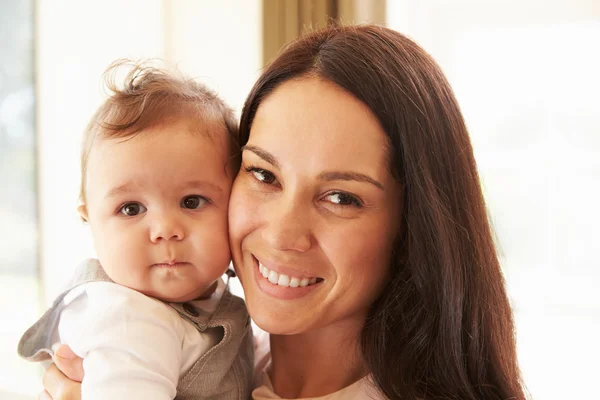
[[240, 218], [212, 246]]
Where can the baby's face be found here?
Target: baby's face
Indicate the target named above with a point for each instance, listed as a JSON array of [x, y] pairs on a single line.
[[157, 208]]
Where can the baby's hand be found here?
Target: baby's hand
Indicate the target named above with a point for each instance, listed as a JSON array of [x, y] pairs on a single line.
[[62, 381]]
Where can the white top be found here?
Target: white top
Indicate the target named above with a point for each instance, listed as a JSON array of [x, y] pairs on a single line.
[[359, 390], [133, 346]]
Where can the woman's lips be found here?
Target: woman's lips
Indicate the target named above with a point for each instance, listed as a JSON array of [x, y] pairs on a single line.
[[284, 280], [283, 286]]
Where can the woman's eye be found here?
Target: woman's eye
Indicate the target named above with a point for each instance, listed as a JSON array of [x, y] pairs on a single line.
[[344, 199], [193, 202], [132, 209], [262, 175]]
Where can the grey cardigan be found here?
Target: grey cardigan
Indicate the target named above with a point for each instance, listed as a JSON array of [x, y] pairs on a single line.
[[224, 372]]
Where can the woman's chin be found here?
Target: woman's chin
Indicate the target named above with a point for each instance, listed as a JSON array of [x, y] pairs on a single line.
[[274, 321]]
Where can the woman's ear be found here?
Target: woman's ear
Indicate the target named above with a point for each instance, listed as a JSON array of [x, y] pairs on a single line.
[[83, 214]]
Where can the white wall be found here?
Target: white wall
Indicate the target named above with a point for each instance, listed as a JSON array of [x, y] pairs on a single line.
[[218, 42], [75, 42]]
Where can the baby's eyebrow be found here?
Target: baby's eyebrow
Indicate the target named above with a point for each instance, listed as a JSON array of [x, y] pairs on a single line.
[[121, 189], [130, 187], [202, 184]]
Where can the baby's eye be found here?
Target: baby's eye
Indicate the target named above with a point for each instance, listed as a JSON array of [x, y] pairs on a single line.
[[193, 202], [344, 199], [262, 175], [132, 209]]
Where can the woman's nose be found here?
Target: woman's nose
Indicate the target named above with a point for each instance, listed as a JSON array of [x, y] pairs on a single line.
[[166, 227], [287, 226]]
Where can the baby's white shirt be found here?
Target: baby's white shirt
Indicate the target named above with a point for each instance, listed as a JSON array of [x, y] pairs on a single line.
[[133, 346]]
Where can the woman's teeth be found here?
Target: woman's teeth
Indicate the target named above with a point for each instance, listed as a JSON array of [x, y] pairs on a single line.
[[285, 280]]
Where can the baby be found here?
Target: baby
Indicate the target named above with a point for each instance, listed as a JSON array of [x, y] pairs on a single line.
[[152, 317]]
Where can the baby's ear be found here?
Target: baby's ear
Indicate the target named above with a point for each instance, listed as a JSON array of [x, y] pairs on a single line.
[[82, 210]]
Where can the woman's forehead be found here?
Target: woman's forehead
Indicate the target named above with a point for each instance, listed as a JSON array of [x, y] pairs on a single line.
[[312, 118]]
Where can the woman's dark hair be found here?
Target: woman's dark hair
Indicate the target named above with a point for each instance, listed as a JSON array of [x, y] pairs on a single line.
[[443, 327]]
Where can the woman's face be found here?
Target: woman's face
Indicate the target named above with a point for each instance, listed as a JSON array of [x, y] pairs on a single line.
[[313, 212]]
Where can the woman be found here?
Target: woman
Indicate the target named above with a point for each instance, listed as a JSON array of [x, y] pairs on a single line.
[[358, 173]]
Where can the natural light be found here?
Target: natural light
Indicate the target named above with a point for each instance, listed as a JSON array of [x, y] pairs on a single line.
[[526, 74]]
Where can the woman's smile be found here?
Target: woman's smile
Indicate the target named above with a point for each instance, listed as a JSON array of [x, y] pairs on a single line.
[[289, 285]]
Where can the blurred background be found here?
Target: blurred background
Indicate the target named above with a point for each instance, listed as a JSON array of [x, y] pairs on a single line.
[[526, 73]]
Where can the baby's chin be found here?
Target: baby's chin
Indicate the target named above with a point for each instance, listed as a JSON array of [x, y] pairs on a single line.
[[183, 294]]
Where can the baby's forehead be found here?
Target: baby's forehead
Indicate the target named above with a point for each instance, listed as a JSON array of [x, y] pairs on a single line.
[[214, 133], [166, 153], [199, 128]]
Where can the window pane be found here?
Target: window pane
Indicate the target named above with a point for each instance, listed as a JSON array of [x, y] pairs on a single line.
[[19, 297], [526, 76]]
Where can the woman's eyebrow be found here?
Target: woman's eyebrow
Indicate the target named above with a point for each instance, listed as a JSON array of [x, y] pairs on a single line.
[[265, 155], [325, 176], [349, 176]]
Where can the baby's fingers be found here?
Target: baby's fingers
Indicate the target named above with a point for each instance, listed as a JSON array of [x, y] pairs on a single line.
[[59, 387], [69, 363], [44, 396]]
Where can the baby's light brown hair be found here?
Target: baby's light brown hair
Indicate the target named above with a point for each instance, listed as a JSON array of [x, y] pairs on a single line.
[[151, 96]]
